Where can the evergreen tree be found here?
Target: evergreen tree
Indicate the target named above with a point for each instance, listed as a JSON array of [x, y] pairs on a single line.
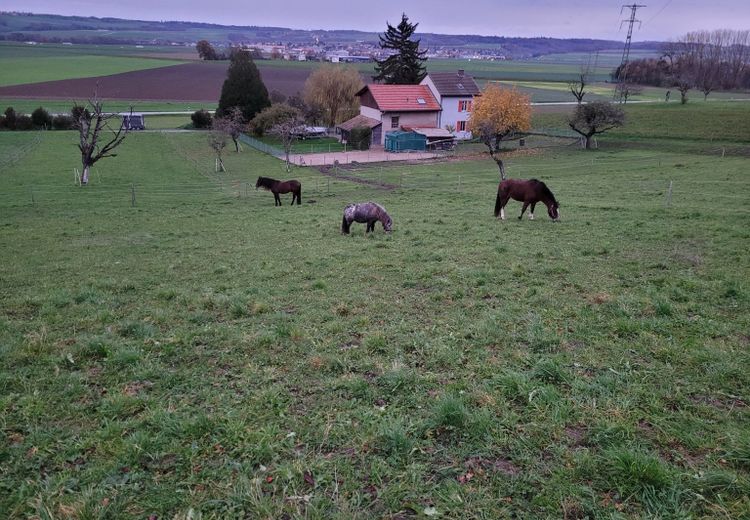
[[243, 88], [406, 66]]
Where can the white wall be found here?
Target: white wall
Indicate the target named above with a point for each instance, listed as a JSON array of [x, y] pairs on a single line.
[[451, 115]]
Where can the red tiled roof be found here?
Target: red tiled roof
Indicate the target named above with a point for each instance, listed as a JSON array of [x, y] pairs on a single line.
[[402, 98]]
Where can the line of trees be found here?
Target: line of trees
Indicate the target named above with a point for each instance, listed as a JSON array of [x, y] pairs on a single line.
[[702, 60]]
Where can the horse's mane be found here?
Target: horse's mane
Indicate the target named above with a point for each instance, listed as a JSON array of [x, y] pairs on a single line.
[[266, 182], [545, 191]]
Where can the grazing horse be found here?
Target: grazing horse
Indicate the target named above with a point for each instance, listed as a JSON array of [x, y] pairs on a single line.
[[277, 187], [369, 212], [529, 192]]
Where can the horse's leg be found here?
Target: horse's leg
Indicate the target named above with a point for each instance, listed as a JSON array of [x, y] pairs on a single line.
[[276, 199], [525, 205], [531, 211], [345, 225], [503, 201]]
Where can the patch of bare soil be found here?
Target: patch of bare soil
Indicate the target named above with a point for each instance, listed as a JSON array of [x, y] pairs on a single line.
[[198, 81]]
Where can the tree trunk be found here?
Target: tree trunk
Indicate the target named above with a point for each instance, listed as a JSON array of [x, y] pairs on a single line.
[[501, 166], [85, 174], [236, 144], [588, 142]]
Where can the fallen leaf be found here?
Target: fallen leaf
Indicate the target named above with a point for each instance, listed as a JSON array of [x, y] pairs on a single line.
[[269, 479], [309, 480], [430, 511]]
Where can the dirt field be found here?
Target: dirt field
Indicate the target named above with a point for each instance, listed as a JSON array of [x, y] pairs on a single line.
[[188, 82]]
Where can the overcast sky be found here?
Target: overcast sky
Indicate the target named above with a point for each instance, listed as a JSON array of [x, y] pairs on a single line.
[[662, 19]]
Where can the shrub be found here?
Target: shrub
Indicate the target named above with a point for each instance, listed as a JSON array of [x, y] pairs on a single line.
[[201, 119], [2, 122], [24, 123], [360, 137], [272, 116], [10, 118], [40, 118], [62, 122]]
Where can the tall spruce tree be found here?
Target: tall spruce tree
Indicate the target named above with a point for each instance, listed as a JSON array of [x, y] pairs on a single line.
[[243, 88], [406, 66]]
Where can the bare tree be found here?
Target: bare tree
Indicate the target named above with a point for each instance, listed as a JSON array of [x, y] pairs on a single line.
[[233, 123], [577, 86], [92, 124], [217, 140], [737, 55], [287, 129], [629, 89], [595, 118]]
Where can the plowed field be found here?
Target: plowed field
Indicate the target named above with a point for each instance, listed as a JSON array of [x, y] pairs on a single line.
[[187, 82]]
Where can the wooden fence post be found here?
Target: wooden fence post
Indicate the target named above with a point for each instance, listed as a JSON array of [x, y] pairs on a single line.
[[669, 195]]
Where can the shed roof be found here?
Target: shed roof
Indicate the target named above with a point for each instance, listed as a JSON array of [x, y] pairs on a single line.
[[402, 98], [358, 121], [433, 132]]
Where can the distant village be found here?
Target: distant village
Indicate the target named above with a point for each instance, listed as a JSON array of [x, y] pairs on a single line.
[[358, 52]]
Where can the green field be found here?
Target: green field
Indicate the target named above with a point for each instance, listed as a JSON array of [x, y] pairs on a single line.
[[43, 64], [172, 344]]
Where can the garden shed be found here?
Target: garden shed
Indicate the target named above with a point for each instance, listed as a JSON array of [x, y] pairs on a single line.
[[401, 141]]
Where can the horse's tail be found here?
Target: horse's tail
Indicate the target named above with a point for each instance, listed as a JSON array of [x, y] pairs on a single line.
[[344, 225], [498, 203], [299, 194]]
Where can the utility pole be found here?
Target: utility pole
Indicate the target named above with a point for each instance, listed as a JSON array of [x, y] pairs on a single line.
[[626, 50]]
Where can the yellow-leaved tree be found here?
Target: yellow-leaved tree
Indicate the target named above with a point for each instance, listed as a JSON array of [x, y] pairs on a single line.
[[500, 114], [332, 88]]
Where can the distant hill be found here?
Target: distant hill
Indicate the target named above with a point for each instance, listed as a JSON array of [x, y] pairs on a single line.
[[77, 29]]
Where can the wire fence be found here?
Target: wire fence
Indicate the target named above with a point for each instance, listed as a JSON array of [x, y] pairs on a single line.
[[640, 187], [261, 146], [652, 175]]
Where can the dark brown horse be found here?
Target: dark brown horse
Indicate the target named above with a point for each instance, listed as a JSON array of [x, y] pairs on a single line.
[[277, 187], [529, 192]]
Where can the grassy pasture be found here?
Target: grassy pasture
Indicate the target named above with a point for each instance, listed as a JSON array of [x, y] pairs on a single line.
[[204, 353]]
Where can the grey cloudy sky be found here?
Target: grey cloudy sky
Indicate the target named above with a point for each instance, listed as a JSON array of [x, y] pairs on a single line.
[[662, 19]]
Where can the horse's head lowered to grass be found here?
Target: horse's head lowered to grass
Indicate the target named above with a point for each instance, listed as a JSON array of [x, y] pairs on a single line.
[[366, 212]]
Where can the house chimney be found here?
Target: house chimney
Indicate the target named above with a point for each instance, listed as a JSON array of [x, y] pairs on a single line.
[[460, 73]]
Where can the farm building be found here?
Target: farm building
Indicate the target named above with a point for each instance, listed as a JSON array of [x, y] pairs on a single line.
[[442, 100], [360, 121], [396, 106]]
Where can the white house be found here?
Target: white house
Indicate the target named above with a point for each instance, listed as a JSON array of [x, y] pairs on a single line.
[[455, 93]]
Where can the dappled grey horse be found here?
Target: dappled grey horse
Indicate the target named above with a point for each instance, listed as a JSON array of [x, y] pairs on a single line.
[[366, 212]]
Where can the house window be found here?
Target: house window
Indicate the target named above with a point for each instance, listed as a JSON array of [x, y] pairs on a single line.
[[464, 106], [461, 126], [394, 122]]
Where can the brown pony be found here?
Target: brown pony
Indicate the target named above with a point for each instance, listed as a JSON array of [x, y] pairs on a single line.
[[277, 187], [529, 192]]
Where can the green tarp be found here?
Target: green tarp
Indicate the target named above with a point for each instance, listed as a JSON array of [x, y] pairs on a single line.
[[400, 141]]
